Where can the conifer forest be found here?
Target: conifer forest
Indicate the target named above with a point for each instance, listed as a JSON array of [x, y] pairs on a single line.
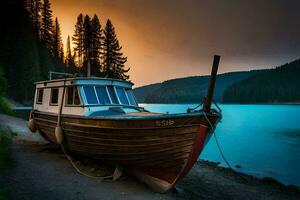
[[32, 46]]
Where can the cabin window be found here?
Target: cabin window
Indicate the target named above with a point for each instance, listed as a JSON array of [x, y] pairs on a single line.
[[76, 97], [122, 96], [90, 95], [131, 98], [39, 97], [72, 96], [54, 96], [112, 95], [102, 95]]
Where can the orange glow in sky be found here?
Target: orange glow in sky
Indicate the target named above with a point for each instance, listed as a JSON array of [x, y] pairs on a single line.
[[165, 39]]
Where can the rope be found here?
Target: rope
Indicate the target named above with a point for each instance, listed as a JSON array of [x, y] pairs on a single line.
[[84, 174], [220, 150], [217, 106]]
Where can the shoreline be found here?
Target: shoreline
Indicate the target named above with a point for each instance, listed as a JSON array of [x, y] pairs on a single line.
[[220, 103], [28, 178], [40, 170], [266, 179]]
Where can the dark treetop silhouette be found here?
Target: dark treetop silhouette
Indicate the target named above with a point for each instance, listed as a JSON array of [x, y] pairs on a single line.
[[32, 46]]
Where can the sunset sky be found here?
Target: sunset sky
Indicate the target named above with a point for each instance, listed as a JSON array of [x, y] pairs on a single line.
[[165, 39]]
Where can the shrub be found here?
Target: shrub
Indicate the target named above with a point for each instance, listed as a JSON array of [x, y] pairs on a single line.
[[5, 107]]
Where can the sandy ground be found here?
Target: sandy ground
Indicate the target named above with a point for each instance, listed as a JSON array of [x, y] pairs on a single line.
[[41, 171]]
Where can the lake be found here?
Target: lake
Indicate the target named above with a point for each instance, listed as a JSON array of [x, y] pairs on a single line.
[[263, 139]]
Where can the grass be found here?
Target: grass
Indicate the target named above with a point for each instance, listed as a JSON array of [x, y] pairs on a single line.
[[6, 135], [3, 194], [5, 107], [5, 138]]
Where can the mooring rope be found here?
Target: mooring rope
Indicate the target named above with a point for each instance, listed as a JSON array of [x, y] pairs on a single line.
[[87, 175], [220, 150], [67, 156]]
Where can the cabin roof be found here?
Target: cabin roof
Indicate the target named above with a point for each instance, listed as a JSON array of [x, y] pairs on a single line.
[[83, 79]]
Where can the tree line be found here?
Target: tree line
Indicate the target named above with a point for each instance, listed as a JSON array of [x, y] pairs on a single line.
[[93, 45], [31, 46], [98, 47], [24, 58], [187, 90], [47, 30], [278, 85]]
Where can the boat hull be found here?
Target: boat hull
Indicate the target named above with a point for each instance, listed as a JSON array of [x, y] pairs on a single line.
[[157, 150]]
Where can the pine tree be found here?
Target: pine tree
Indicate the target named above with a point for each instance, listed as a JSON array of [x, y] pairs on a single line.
[[62, 54], [87, 40], [96, 46], [78, 40], [58, 51], [34, 8], [75, 68], [68, 53], [28, 4], [113, 60], [70, 63], [47, 25], [37, 16], [30, 7]]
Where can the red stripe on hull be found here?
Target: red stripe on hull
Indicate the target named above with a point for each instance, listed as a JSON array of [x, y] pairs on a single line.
[[172, 176], [199, 145]]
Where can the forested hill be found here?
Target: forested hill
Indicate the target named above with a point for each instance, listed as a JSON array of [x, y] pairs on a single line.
[[31, 45], [278, 85], [187, 90]]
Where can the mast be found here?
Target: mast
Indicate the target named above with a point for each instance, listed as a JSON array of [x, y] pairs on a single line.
[[58, 129], [211, 86]]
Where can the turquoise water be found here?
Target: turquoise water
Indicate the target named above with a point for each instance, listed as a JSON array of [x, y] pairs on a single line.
[[263, 139]]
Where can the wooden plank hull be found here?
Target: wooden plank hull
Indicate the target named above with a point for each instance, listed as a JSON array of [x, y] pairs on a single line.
[[158, 150]]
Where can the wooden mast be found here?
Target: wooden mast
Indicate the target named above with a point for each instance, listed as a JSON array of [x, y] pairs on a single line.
[[58, 129], [211, 86]]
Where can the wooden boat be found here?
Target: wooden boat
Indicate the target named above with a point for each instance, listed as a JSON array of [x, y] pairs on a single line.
[[99, 118]]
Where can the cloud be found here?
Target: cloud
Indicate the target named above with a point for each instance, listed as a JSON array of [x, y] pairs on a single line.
[[181, 36]]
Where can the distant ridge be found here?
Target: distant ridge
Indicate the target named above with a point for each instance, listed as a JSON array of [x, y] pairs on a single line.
[[187, 90], [277, 85]]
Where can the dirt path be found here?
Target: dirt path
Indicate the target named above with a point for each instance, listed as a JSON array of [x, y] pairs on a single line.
[[41, 171]]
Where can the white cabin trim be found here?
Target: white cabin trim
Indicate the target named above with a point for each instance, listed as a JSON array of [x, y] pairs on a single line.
[[84, 109]]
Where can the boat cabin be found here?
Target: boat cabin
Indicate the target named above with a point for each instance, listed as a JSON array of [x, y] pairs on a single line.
[[86, 97]]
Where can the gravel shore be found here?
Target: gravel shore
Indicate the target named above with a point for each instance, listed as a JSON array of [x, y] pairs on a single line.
[[41, 171]]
